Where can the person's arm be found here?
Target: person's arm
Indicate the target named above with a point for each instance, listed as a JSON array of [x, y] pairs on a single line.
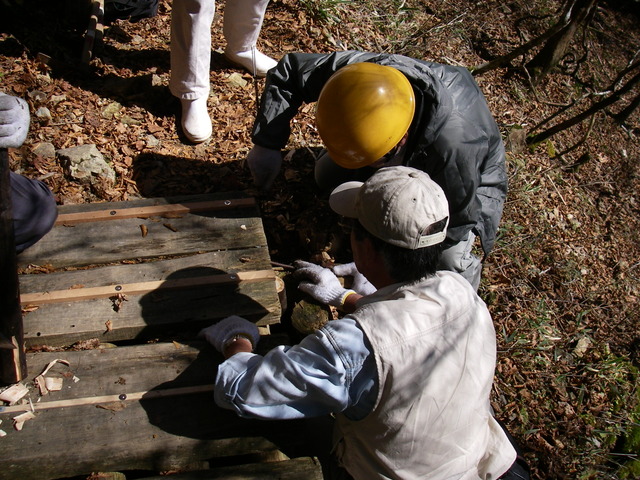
[[308, 379], [298, 78], [350, 304], [238, 344]]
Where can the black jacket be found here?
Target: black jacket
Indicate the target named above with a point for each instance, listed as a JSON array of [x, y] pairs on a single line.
[[453, 137]]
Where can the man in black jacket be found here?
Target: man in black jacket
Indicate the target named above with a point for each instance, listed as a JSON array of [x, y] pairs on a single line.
[[432, 117]]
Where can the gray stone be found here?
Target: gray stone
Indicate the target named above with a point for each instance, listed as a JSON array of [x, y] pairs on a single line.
[[45, 150], [43, 114], [86, 164]]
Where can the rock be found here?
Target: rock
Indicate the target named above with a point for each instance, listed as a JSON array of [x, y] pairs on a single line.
[[86, 164], [111, 110], [44, 150], [236, 80], [43, 114], [153, 142], [56, 99], [517, 140]]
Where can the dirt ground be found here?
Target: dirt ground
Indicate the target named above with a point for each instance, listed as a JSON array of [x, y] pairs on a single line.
[[562, 281]]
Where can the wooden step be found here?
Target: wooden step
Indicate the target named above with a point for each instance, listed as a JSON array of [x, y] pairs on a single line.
[[138, 270], [146, 275], [143, 407], [304, 468]]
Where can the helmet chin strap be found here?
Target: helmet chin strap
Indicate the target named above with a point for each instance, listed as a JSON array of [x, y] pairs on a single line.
[[394, 157]]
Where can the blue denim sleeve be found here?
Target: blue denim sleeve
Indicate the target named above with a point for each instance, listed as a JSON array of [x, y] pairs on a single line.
[[331, 370]]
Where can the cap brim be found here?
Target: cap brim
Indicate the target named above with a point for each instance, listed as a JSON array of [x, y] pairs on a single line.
[[343, 199]]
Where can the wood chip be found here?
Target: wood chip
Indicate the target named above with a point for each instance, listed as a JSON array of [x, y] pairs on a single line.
[[113, 406], [170, 227], [144, 230], [13, 393], [20, 420], [41, 384], [53, 384]]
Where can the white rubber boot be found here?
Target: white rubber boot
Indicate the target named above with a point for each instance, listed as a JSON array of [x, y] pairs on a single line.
[[196, 123], [242, 25], [254, 61]]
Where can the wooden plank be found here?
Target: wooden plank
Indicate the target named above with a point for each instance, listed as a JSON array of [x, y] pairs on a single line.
[[104, 242], [111, 214], [147, 228], [87, 293], [238, 260], [158, 312], [94, 31], [145, 317], [145, 431], [303, 468], [246, 201]]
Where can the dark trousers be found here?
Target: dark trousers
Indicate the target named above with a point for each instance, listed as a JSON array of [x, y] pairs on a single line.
[[520, 469], [34, 210]]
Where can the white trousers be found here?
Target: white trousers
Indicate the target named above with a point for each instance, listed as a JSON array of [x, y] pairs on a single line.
[[191, 40]]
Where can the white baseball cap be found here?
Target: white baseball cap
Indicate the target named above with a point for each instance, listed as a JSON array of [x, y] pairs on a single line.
[[397, 205]]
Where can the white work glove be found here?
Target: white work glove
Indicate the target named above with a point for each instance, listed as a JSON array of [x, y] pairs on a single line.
[[264, 164], [323, 285], [219, 334], [14, 121], [361, 285]]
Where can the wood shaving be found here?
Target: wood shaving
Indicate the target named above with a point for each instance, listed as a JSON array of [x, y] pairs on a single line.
[[14, 393], [113, 406], [41, 383], [52, 363], [53, 384], [170, 227], [19, 421]]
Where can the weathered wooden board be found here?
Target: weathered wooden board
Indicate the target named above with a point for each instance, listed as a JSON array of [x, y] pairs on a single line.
[[118, 237], [133, 272], [202, 258], [304, 468], [158, 425]]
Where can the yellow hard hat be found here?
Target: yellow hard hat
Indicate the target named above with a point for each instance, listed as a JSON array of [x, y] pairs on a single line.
[[363, 111]]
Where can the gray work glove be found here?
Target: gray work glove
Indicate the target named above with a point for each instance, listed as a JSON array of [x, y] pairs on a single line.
[[221, 333], [322, 284], [361, 285], [14, 121], [264, 164]]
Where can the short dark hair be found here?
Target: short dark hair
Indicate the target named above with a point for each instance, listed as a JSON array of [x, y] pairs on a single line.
[[404, 265]]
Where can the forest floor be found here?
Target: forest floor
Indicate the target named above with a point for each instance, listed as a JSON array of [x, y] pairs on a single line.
[[562, 282]]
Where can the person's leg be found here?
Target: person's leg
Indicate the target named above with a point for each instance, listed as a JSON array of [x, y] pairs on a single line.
[[190, 63], [520, 469], [458, 258], [242, 24], [34, 210], [319, 437]]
